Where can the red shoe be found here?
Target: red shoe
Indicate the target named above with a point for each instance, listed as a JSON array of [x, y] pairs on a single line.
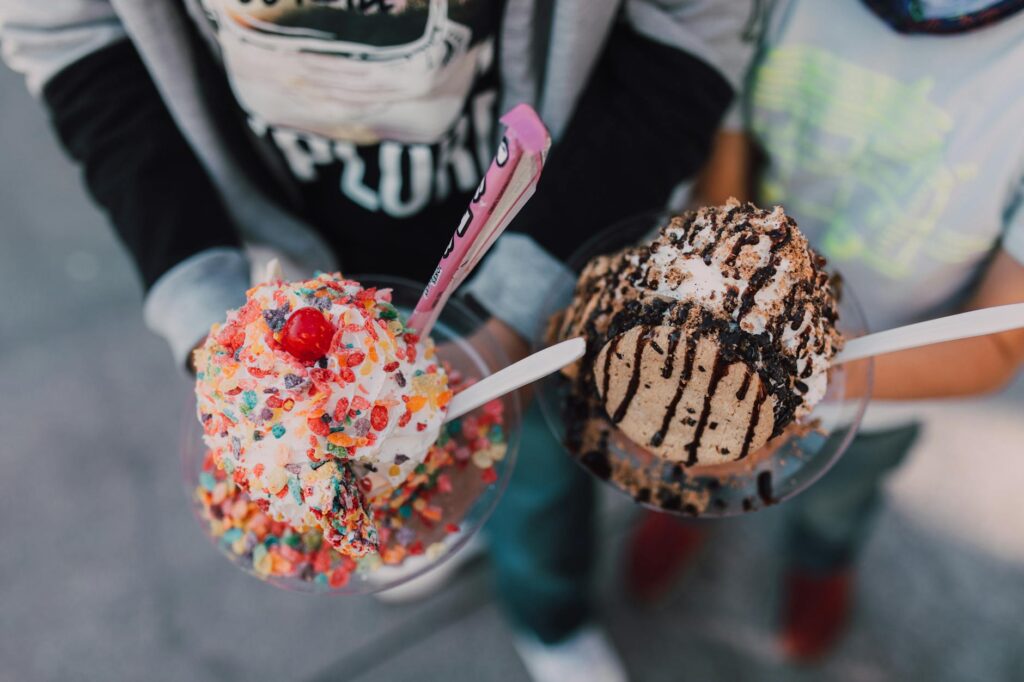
[[659, 547], [816, 612]]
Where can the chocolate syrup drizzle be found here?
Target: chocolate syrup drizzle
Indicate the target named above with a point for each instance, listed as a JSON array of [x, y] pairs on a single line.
[[670, 353], [762, 276], [634, 378], [612, 349], [741, 241], [718, 371], [764, 488], [745, 385], [755, 417], [684, 378], [757, 282]]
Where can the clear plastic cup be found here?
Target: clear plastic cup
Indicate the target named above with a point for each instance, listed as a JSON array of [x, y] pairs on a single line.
[[787, 465]]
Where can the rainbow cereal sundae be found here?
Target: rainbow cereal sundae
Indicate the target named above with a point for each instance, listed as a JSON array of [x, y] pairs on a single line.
[[324, 422]]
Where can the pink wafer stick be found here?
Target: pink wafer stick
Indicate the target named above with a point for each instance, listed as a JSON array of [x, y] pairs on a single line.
[[504, 190]]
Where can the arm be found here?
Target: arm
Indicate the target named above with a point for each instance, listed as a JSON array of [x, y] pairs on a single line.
[[728, 172], [960, 368], [137, 165]]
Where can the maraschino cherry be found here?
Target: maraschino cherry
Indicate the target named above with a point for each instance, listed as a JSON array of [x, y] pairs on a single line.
[[307, 334]]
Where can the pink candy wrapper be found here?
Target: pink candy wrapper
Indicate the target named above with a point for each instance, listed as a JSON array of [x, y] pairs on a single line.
[[504, 190]]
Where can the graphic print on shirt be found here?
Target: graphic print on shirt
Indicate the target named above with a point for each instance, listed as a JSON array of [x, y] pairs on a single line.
[[875, 141], [397, 93]]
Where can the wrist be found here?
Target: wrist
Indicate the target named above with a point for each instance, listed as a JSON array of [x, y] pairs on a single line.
[[857, 383], [510, 341]]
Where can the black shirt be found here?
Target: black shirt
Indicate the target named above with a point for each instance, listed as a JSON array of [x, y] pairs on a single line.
[[383, 112]]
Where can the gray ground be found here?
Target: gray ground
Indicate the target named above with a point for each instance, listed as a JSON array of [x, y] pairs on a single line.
[[104, 574]]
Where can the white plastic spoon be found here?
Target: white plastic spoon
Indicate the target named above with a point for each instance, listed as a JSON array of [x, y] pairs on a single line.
[[516, 375], [963, 326]]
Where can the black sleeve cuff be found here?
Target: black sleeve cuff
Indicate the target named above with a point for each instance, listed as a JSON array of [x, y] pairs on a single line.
[[137, 164]]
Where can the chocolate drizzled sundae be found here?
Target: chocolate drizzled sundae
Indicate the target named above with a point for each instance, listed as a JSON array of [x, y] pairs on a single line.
[[703, 344]]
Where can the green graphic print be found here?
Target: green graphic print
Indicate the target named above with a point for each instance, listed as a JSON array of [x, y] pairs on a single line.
[[862, 158]]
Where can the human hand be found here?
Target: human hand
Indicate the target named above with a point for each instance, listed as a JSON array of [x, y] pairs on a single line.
[[968, 367], [496, 343], [507, 338]]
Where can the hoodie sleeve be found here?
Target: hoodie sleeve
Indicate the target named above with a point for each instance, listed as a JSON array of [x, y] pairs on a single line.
[[137, 166], [642, 125], [41, 39], [1013, 234]]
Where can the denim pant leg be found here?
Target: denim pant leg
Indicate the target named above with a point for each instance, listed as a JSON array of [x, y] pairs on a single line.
[[829, 522], [542, 537]]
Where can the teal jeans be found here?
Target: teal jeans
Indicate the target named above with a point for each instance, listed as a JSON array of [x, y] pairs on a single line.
[[827, 524], [542, 537]]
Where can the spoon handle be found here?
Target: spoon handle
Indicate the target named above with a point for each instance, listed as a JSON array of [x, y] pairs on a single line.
[[963, 326], [516, 375]]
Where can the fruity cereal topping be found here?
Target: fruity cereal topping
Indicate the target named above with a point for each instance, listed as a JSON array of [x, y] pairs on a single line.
[[316, 403]]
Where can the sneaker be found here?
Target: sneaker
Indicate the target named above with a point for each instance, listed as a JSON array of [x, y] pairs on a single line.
[[659, 548], [430, 582], [816, 612], [586, 656]]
